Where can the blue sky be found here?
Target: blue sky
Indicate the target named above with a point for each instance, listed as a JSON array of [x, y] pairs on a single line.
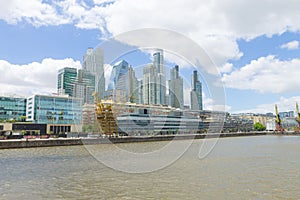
[[256, 51]]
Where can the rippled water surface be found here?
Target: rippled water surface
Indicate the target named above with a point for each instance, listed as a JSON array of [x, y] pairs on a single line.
[[262, 167]]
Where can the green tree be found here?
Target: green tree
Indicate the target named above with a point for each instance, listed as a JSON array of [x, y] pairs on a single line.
[[259, 127], [88, 128]]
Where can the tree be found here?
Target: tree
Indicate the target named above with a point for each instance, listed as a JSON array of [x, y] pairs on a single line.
[[259, 127]]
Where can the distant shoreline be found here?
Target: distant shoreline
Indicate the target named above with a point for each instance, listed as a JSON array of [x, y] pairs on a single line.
[[32, 143]]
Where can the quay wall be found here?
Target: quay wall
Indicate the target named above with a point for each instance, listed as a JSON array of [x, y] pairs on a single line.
[[31, 143]]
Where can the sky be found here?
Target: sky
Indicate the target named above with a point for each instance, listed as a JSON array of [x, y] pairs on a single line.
[[254, 44]]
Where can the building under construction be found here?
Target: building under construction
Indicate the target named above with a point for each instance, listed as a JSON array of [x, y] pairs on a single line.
[[139, 119]]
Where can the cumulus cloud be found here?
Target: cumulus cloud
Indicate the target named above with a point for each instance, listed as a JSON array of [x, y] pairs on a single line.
[[214, 25], [32, 11], [284, 105], [32, 78], [266, 75], [293, 45]]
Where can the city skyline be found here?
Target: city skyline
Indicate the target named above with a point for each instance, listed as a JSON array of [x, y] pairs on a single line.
[[124, 86], [254, 54]]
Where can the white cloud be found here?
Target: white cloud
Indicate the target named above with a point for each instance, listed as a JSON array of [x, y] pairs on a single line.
[[226, 68], [293, 45], [99, 2], [33, 11], [32, 78], [214, 25], [284, 105], [266, 75], [210, 104]]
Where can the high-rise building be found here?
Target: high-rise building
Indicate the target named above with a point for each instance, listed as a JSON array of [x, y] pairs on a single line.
[[149, 84], [176, 88], [158, 63], [196, 92], [93, 62], [65, 81], [140, 92], [122, 86], [133, 89], [84, 86]]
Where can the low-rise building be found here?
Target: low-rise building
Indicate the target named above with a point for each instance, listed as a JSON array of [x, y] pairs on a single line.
[[12, 108], [53, 109]]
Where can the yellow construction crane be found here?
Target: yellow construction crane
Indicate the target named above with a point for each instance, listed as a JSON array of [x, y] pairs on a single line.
[[298, 117], [105, 117], [279, 127]]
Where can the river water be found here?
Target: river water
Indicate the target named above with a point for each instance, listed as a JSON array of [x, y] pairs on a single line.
[[256, 167]]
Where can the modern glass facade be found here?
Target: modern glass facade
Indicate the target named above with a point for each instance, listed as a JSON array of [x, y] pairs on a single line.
[[93, 61], [158, 63], [85, 86], [12, 108], [176, 88], [123, 84], [196, 93], [149, 85], [53, 109], [65, 81]]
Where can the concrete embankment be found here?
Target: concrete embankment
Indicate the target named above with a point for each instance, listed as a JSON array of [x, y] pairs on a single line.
[[22, 143], [6, 144]]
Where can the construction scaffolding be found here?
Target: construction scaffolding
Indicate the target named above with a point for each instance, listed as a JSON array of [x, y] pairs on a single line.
[[105, 117]]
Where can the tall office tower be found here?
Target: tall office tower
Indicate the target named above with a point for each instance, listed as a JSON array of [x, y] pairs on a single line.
[[176, 88], [140, 92], [149, 84], [84, 86], [93, 62], [65, 81], [123, 83], [133, 89], [158, 62], [196, 93]]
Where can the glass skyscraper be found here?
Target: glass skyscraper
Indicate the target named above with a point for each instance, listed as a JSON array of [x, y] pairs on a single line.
[[176, 88], [149, 84], [93, 62], [65, 81], [196, 92], [158, 63], [84, 86], [123, 84]]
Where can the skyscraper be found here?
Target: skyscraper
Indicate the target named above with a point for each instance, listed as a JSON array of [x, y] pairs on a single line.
[[158, 63], [93, 62], [149, 84], [84, 86], [196, 92], [123, 83], [133, 89], [140, 91], [65, 81], [176, 88]]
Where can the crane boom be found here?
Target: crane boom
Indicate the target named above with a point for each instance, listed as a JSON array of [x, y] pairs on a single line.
[[105, 117], [297, 129], [298, 114], [279, 127]]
